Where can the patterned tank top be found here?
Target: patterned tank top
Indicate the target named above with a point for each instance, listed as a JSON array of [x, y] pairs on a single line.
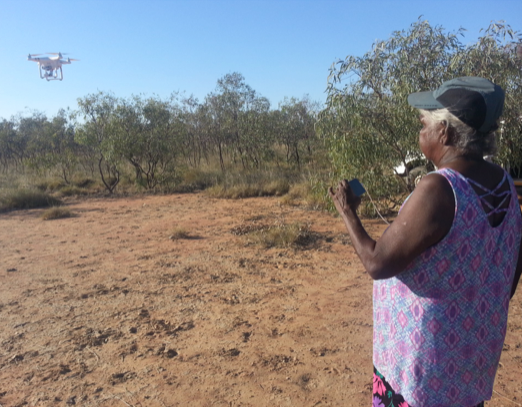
[[440, 325]]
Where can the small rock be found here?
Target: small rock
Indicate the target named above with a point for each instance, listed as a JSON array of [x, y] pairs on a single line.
[[71, 401], [17, 358], [11, 270], [170, 353]]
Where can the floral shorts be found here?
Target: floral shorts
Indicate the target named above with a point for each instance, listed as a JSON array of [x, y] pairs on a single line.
[[385, 396]]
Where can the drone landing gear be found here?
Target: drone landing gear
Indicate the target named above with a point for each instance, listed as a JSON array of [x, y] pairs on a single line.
[[51, 74]]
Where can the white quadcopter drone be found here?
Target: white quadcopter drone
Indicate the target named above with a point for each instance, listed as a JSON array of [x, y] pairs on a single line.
[[50, 65]]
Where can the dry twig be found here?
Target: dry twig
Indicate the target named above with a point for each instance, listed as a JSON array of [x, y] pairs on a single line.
[[505, 398], [93, 352]]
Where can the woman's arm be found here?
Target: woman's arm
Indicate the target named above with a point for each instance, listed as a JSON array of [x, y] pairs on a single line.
[[424, 220]]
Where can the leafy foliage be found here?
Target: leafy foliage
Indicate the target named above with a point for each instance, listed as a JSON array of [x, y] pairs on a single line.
[[158, 144], [369, 128]]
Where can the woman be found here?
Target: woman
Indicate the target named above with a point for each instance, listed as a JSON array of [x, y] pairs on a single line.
[[447, 267]]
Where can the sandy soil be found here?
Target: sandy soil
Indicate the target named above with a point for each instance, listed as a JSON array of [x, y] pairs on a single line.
[[104, 309]]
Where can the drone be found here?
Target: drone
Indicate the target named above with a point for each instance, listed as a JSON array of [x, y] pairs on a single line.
[[50, 65]]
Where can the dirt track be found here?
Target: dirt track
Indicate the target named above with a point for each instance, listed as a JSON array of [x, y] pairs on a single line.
[[103, 309]]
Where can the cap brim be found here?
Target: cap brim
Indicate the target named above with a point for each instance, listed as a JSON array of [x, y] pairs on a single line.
[[424, 100]]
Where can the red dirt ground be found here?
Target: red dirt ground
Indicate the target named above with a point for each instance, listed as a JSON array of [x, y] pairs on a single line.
[[104, 309]]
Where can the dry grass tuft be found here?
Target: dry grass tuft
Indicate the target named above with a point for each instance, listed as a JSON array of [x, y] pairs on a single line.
[[50, 185], [56, 212], [273, 188], [280, 235], [26, 199], [72, 190], [178, 234], [302, 194], [233, 192], [276, 188]]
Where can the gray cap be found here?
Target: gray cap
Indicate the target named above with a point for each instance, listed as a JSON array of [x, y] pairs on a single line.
[[475, 101]]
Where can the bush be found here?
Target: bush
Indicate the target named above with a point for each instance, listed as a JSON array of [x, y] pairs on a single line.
[[244, 190], [233, 192], [179, 233], [302, 194], [283, 235], [72, 190], [199, 179], [56, 212], [276, 188], [27, 199], [278, 235], [50, 185], [84, 182]]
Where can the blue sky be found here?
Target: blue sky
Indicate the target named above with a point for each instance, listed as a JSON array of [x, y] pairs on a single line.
[[282, 48]]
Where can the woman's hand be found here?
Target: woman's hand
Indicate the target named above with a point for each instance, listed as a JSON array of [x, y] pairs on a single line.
[[423, 221], [344, 198]]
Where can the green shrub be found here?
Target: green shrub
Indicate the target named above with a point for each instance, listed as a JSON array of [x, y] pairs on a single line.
[[27, 199]]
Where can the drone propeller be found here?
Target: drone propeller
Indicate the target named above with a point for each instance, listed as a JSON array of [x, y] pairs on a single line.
[[72, 59], [34, 55], [57, 53]]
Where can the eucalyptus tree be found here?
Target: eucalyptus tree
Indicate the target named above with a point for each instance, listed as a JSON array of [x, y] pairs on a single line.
[[31, 137], [160, 139], [497, 56], [97, 133], [128, 130], [367, 124], [215, 124], [9, 151], [296, 127], [147, 134], [195, 144], [234, 96], [235, 108], [61, 151], [256, 140]]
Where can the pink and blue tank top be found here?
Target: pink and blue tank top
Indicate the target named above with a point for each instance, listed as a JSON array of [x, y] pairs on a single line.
[[440, 325]]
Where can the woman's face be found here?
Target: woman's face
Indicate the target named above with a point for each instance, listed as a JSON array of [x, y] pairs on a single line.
[[428, 137]]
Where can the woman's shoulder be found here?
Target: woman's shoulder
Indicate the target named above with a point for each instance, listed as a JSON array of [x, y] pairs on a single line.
[[437, 184], [436, 191], [484, 173]]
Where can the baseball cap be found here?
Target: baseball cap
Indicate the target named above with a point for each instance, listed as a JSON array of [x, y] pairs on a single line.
[[476, 101]]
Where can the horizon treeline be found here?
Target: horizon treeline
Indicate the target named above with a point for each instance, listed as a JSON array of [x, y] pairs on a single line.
[[156, 139], [366, 130]]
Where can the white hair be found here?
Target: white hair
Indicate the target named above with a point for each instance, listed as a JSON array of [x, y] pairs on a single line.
[[466, 138]]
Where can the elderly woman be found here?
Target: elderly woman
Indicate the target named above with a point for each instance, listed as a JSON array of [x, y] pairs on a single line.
[[447, 267]]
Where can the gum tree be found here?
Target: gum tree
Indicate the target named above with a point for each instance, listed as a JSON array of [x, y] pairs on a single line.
[[296, 128], [497, 56], [97, 133], [369, 127], [236, 112]]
